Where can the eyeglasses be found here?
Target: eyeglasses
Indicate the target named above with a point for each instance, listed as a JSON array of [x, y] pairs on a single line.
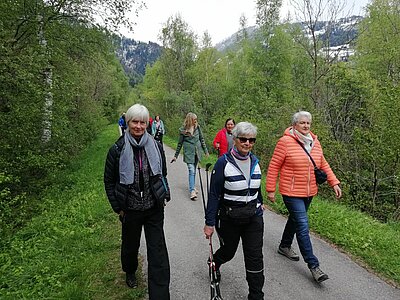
[[244, 140]]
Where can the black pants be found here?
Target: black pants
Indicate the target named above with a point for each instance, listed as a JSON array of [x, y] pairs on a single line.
[[157, 256], [230, 232]]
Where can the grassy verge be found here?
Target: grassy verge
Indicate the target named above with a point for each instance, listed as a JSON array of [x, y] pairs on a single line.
[[71, 250], [370, 243]]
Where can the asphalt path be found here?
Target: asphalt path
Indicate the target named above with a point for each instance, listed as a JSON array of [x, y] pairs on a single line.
[[284, 279]]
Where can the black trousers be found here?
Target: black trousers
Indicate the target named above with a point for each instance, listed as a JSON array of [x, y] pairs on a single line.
[[157, 255], [251, 233]]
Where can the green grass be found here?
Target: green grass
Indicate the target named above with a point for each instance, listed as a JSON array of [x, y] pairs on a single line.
[[71, 250]]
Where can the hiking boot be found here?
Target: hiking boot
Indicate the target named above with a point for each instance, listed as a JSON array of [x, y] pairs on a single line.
[[318, 274], [289, 253], [217, 272], [131, 280], [193, 195]]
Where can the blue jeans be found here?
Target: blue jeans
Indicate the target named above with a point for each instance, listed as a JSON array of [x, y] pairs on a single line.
[[297, 223], [192, 176]]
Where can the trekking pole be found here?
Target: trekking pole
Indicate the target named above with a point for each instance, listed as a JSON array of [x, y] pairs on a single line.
[[202, 189], [207, 168], [214, 284]]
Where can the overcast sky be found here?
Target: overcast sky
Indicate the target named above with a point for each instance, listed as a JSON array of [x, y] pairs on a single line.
[[219, 17]]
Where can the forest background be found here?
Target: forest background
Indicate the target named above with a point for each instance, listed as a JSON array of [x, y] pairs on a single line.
[[61, 83]]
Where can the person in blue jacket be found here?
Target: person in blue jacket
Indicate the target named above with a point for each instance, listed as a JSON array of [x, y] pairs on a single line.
[[122, 124], [235, 208]]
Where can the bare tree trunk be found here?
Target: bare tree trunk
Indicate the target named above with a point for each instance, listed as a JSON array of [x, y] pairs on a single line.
[[48, 82]]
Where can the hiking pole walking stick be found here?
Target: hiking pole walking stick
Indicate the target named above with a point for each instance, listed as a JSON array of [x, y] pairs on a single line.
[[202, 190], [214, 283], [207, 169]]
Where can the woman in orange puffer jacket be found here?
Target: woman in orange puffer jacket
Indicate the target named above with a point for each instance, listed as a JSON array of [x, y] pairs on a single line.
[[297, 185]]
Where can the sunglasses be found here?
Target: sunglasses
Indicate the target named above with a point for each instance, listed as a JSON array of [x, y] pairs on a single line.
[[244, 140]]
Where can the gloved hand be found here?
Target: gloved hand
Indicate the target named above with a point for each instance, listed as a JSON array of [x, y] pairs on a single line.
[[168, 196]]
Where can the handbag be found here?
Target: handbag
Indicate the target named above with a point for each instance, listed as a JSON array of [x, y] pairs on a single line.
[[159, 188], [320, 175]]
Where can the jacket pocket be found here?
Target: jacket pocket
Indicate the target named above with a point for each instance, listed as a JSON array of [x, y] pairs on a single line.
[[292, 184]]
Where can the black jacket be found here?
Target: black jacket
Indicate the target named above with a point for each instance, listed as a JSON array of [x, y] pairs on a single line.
[[117, 192]]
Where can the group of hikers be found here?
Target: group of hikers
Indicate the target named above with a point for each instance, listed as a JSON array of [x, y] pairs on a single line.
[[136, 185]]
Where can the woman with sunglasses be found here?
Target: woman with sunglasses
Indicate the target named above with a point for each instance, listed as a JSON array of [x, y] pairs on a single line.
[[297, 184], [235, 208]]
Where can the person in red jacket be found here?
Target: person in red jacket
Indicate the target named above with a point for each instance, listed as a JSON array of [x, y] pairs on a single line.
[[223, 141], [297, 185]]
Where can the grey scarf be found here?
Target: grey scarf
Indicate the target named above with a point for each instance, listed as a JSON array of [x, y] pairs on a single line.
[[126, 160]]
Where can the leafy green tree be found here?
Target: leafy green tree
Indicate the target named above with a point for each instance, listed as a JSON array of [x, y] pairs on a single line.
[[52, 48], [180, 48]]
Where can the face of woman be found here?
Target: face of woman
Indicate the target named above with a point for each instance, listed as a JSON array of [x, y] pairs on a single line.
[[229, 126], [137, 128], [303, 126], [244, 143], [157, 118]]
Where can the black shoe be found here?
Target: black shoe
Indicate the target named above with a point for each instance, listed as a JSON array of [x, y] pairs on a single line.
[[131, 280], [217, 272]]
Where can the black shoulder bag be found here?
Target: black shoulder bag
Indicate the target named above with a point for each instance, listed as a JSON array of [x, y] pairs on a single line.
[[320, 175]]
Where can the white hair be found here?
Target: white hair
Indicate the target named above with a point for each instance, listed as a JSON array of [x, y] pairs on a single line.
[[244, 129], [137, 112], [296, 117]]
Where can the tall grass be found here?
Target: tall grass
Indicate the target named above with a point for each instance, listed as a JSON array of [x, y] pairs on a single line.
[[71, 250]]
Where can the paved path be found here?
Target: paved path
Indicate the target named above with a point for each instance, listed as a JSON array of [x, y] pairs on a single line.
[[284, 279]]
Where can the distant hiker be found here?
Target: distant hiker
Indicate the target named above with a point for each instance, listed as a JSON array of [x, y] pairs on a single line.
[[235, 208], [223, 141], [157, 129], [122, 124], [149, 125], [192, 140], [135, 180], [297, 184]]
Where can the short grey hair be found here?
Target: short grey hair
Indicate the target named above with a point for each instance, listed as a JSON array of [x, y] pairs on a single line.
[[244, 129], [296, 117], [137, 112]]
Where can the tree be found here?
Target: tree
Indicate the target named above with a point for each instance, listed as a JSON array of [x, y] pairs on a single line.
[[180, 48], [310, 13]]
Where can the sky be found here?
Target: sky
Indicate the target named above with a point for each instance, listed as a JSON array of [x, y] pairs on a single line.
[[219, 17]]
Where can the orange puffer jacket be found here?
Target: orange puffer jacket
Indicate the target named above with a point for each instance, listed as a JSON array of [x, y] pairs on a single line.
[[296, 169]]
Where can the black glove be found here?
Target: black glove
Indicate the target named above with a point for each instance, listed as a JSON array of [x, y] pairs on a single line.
[[168, 196]]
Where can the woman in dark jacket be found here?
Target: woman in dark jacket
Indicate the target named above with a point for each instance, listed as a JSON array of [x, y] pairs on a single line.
[[235, 208], [136, 186]]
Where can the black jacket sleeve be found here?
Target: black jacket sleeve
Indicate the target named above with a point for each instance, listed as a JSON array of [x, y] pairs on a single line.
[[164, 169], [111, 177]]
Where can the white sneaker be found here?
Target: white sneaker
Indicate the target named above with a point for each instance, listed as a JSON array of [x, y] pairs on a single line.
[[193, 195]]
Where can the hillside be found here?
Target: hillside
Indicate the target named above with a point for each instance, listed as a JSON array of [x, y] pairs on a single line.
[[135, 56]]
